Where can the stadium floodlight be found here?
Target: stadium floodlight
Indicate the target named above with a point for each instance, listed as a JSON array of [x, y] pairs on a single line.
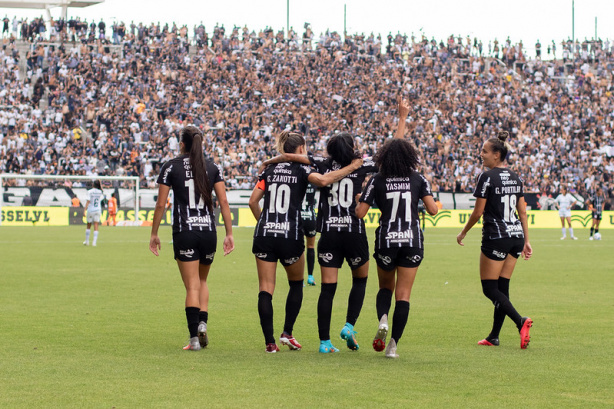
[[134, 180]]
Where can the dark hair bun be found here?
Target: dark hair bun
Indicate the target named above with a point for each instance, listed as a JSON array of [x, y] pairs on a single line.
[[503, 135]]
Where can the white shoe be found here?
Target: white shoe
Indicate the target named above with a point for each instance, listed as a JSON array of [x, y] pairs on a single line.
[[591, 238], [574, 238], [379, 342], [203, 338], [391, 349], [85, 243], [563, 238], [193, 345], [93, 244]]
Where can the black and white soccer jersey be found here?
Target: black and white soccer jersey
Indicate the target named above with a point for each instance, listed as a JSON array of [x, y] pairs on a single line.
[[189, 210], [308, 207], [397, 198], [337, 203], [284, 186], [502, 188], [597, 201]]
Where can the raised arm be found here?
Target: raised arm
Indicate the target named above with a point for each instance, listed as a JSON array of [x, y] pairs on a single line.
[[403, 106], [331, 177], [478, 210]]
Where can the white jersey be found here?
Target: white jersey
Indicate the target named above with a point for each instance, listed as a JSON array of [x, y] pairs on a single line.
[[565, 201], [95, 196]]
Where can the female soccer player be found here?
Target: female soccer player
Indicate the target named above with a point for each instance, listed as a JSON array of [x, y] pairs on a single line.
[[112, 210], [564, 202], [399, 248], [278, 234], [597, 201], [93, 208], [192, 179], [505, 235]]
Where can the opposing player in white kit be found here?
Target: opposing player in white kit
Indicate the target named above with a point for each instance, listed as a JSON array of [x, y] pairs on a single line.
[[564, 202], [93, 208]]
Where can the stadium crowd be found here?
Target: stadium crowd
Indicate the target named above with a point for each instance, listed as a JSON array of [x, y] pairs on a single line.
[[89, 103]]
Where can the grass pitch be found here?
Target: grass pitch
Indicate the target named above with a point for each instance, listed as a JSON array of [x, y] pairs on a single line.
[[103, 327]]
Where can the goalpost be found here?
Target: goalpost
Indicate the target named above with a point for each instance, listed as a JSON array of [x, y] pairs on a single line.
[[126, 200]]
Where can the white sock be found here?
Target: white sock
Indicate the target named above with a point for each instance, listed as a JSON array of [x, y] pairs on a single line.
[[564, 233], [87, 235], [95, 238], [571, 232]]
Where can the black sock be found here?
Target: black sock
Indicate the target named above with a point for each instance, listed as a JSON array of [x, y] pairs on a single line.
[[382, 302], [596, 230], [191, 314], [399, 319], [311, 258], [325, 309], [293, 304], [592, 231], [265, 310], [491, 291], [499, 316], [357, 296], [203, 316]]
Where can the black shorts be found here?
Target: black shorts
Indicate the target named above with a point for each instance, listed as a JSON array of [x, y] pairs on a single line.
[[498, 249], [195, 245], [272, 249], [390, 258], [597, 215], [333, 247], [309, 227]]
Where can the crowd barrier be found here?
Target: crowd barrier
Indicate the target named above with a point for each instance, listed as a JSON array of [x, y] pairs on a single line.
[[242, 217]]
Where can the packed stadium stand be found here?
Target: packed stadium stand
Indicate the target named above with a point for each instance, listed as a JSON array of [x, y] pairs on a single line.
[[86, 98]]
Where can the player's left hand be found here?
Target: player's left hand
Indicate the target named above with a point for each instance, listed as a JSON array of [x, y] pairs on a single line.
[[229, 244], [527, 251], [154, 244], [460, 237]]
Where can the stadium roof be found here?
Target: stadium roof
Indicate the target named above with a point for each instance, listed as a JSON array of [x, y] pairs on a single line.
[[44, 4], [48, 4]]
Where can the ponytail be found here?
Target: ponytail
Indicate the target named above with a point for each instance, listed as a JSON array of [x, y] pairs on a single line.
[[192, 139], [289, 142]]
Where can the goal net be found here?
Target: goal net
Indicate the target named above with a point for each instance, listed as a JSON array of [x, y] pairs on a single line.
[[47, 200]]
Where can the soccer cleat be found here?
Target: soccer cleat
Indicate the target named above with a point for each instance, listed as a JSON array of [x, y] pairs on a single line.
[[85, 243], [348, 334], [563, 238], [271, 348], [591, 238], [326, 347], [286, 339], [203, 338], [574, 238], [489, 342], [310, 280], [93, 244], [525, 338], [193, 345], [391, 349], [379, 342]]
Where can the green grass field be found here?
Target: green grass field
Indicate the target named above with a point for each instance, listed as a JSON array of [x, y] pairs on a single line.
[[103, 327]]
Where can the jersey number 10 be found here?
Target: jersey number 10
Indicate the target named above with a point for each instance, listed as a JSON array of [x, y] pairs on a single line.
[[280, 198]]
